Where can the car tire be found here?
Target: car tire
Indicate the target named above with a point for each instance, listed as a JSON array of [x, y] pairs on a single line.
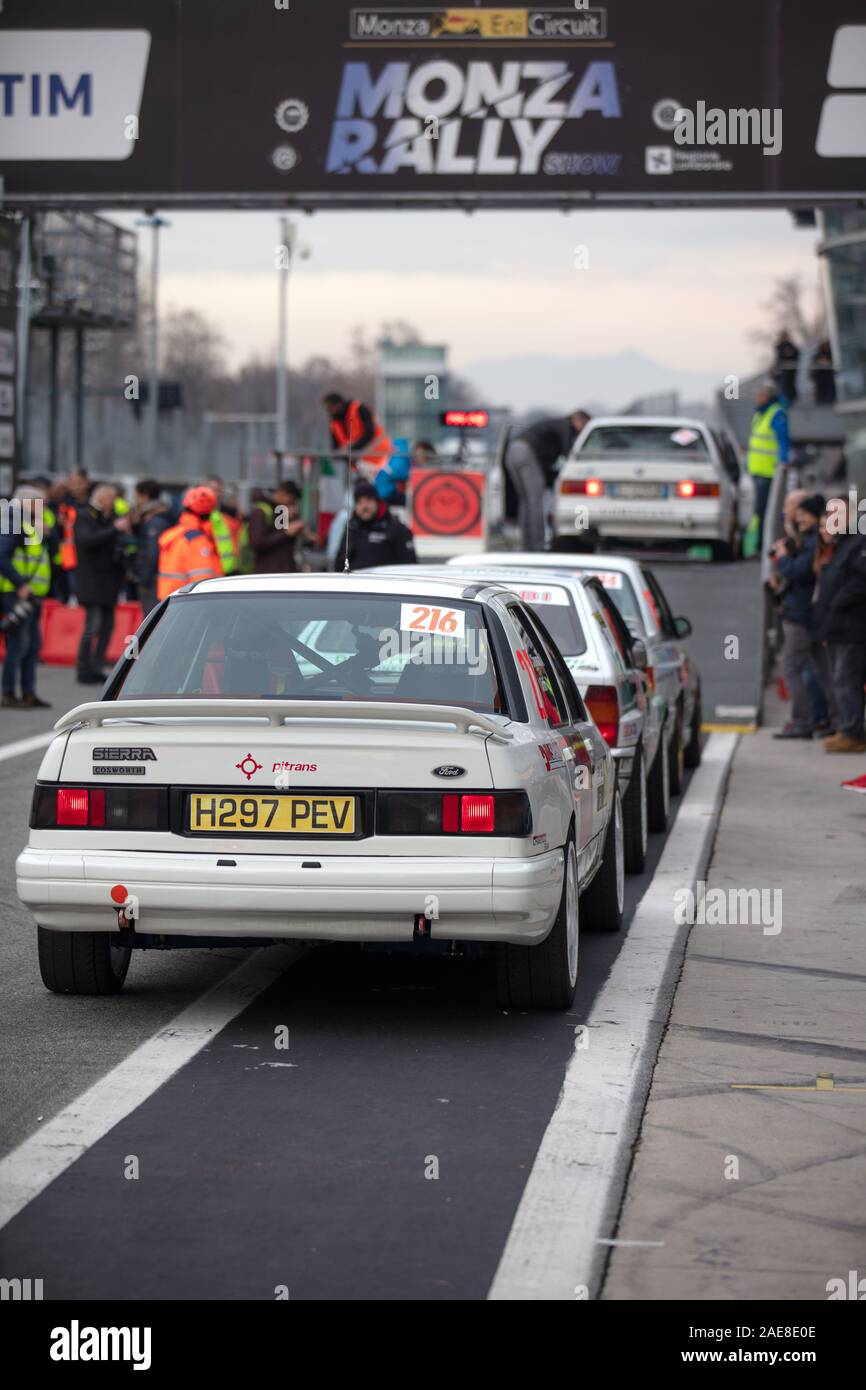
[[692, 755], [604, 899], [545, 976], [635, 812], [82, 962], [676, 754], [659, 789]]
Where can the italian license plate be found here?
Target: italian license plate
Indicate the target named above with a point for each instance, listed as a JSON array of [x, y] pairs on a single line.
[[210, 813], [638, 490]]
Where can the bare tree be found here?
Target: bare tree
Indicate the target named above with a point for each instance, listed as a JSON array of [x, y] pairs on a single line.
[[794, 307]]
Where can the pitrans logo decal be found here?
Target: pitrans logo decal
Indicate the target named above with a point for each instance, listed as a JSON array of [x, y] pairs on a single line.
[[442, 117], [578, 22], [71, 93]]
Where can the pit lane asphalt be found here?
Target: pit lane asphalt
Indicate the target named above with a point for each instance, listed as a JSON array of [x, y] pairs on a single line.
[[312, 1175]]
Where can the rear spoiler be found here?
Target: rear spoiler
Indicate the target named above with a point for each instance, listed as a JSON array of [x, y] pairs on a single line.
[[439, 718]]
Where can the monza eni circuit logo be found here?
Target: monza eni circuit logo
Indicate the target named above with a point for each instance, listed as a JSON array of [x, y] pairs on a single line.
[[502, 24]]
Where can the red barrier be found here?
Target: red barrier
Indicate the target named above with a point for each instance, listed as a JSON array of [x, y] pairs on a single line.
[[62, 626]]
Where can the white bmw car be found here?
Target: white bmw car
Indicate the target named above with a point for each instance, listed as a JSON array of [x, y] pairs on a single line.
[[653, 478], [329, 758]]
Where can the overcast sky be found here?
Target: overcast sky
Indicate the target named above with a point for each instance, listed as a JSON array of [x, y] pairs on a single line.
[[683, 288]]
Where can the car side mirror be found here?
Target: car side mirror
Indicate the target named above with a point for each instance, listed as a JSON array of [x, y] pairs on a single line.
[[639, 654], [682, 627]]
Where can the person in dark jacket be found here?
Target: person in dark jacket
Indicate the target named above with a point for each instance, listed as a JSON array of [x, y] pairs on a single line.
[[99, 544], [839, 620], [530, 459], [274, 529], [375, 537], [794, 558], [785, 366], [149, 518]]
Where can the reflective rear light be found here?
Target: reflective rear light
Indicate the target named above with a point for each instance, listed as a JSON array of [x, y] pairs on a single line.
[[688, 488], [594, 487], [650, 677], [602, 702], [450, 814], [477, 815]]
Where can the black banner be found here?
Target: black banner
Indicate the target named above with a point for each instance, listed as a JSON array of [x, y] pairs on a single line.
[[287, 102]]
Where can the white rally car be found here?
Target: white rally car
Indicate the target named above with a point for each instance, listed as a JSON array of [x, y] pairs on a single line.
[[658, 478], [421, 766]]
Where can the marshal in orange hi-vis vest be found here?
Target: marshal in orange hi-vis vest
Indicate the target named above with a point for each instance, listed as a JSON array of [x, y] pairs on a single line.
[[186, 553], [380, 448]]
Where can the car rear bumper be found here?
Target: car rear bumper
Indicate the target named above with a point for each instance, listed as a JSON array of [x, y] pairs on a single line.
[[659, 521], [344, 898]]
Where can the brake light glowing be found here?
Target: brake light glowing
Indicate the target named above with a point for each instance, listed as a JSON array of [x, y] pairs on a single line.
[[80, 806], [583, 487], [602, 702], [477, 815], [687, 488]]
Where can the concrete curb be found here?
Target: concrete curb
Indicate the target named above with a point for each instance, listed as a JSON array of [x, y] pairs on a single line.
[[559, 1242]]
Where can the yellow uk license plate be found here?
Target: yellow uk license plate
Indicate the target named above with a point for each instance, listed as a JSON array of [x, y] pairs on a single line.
[[212, 812]]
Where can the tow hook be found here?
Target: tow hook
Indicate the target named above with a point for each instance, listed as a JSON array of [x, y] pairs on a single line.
[[127, 908], [422, 927]]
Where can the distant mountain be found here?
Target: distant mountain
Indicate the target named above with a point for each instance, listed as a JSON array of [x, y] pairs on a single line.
[[560, 384]]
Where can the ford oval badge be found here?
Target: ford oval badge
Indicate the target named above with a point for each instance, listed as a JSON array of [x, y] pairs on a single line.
[[449, 770]]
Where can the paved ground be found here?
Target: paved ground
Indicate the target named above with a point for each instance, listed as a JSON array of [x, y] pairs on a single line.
[[771, 1013]]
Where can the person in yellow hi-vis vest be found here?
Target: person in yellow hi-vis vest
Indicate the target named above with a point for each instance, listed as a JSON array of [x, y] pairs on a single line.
[[768, 447], [223, 527], [25, 578]]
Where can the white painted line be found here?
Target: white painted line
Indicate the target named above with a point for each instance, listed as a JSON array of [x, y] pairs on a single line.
[[643, 1244], [25, 745], [572, 1197], [736, 712], [28, 1170]]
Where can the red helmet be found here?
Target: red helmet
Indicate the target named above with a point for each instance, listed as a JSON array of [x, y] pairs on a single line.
[[201, 500]]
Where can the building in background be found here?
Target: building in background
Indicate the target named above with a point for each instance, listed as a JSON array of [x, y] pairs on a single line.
[[411, 388]]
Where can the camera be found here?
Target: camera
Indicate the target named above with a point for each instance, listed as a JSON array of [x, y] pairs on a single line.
[[19, 614]]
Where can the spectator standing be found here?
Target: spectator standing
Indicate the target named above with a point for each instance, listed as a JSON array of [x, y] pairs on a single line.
[[224, 526], [373, 536], [149, 518], [840, 621], [100, 542], [25, 578], [785, 366], [531, 457], [795, 566], [274, 530], [823, 374], [768, 447], [186, 550], [825, 547]]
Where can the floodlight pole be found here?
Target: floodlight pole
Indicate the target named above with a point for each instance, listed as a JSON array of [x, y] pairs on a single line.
[[155, 222]]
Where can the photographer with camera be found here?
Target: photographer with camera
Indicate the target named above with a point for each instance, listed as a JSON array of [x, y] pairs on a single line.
[[25, 578]]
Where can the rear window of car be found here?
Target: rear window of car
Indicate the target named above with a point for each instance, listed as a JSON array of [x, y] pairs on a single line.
[[555, 607], [619, 587], [318, 646], [645, 441]]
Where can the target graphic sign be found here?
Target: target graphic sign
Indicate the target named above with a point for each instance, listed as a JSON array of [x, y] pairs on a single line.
[[447, 504]]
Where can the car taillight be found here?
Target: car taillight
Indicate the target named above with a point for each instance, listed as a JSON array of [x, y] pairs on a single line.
[[99, 808], [650, 674], [602, 702], [687, 488], [583, 487], [477, 816], [453, 813], [80, 806]]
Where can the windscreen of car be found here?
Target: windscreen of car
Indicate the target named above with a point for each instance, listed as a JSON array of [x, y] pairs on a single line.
[[318, 646], [679, 442], [619, 587], [555, 607]]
